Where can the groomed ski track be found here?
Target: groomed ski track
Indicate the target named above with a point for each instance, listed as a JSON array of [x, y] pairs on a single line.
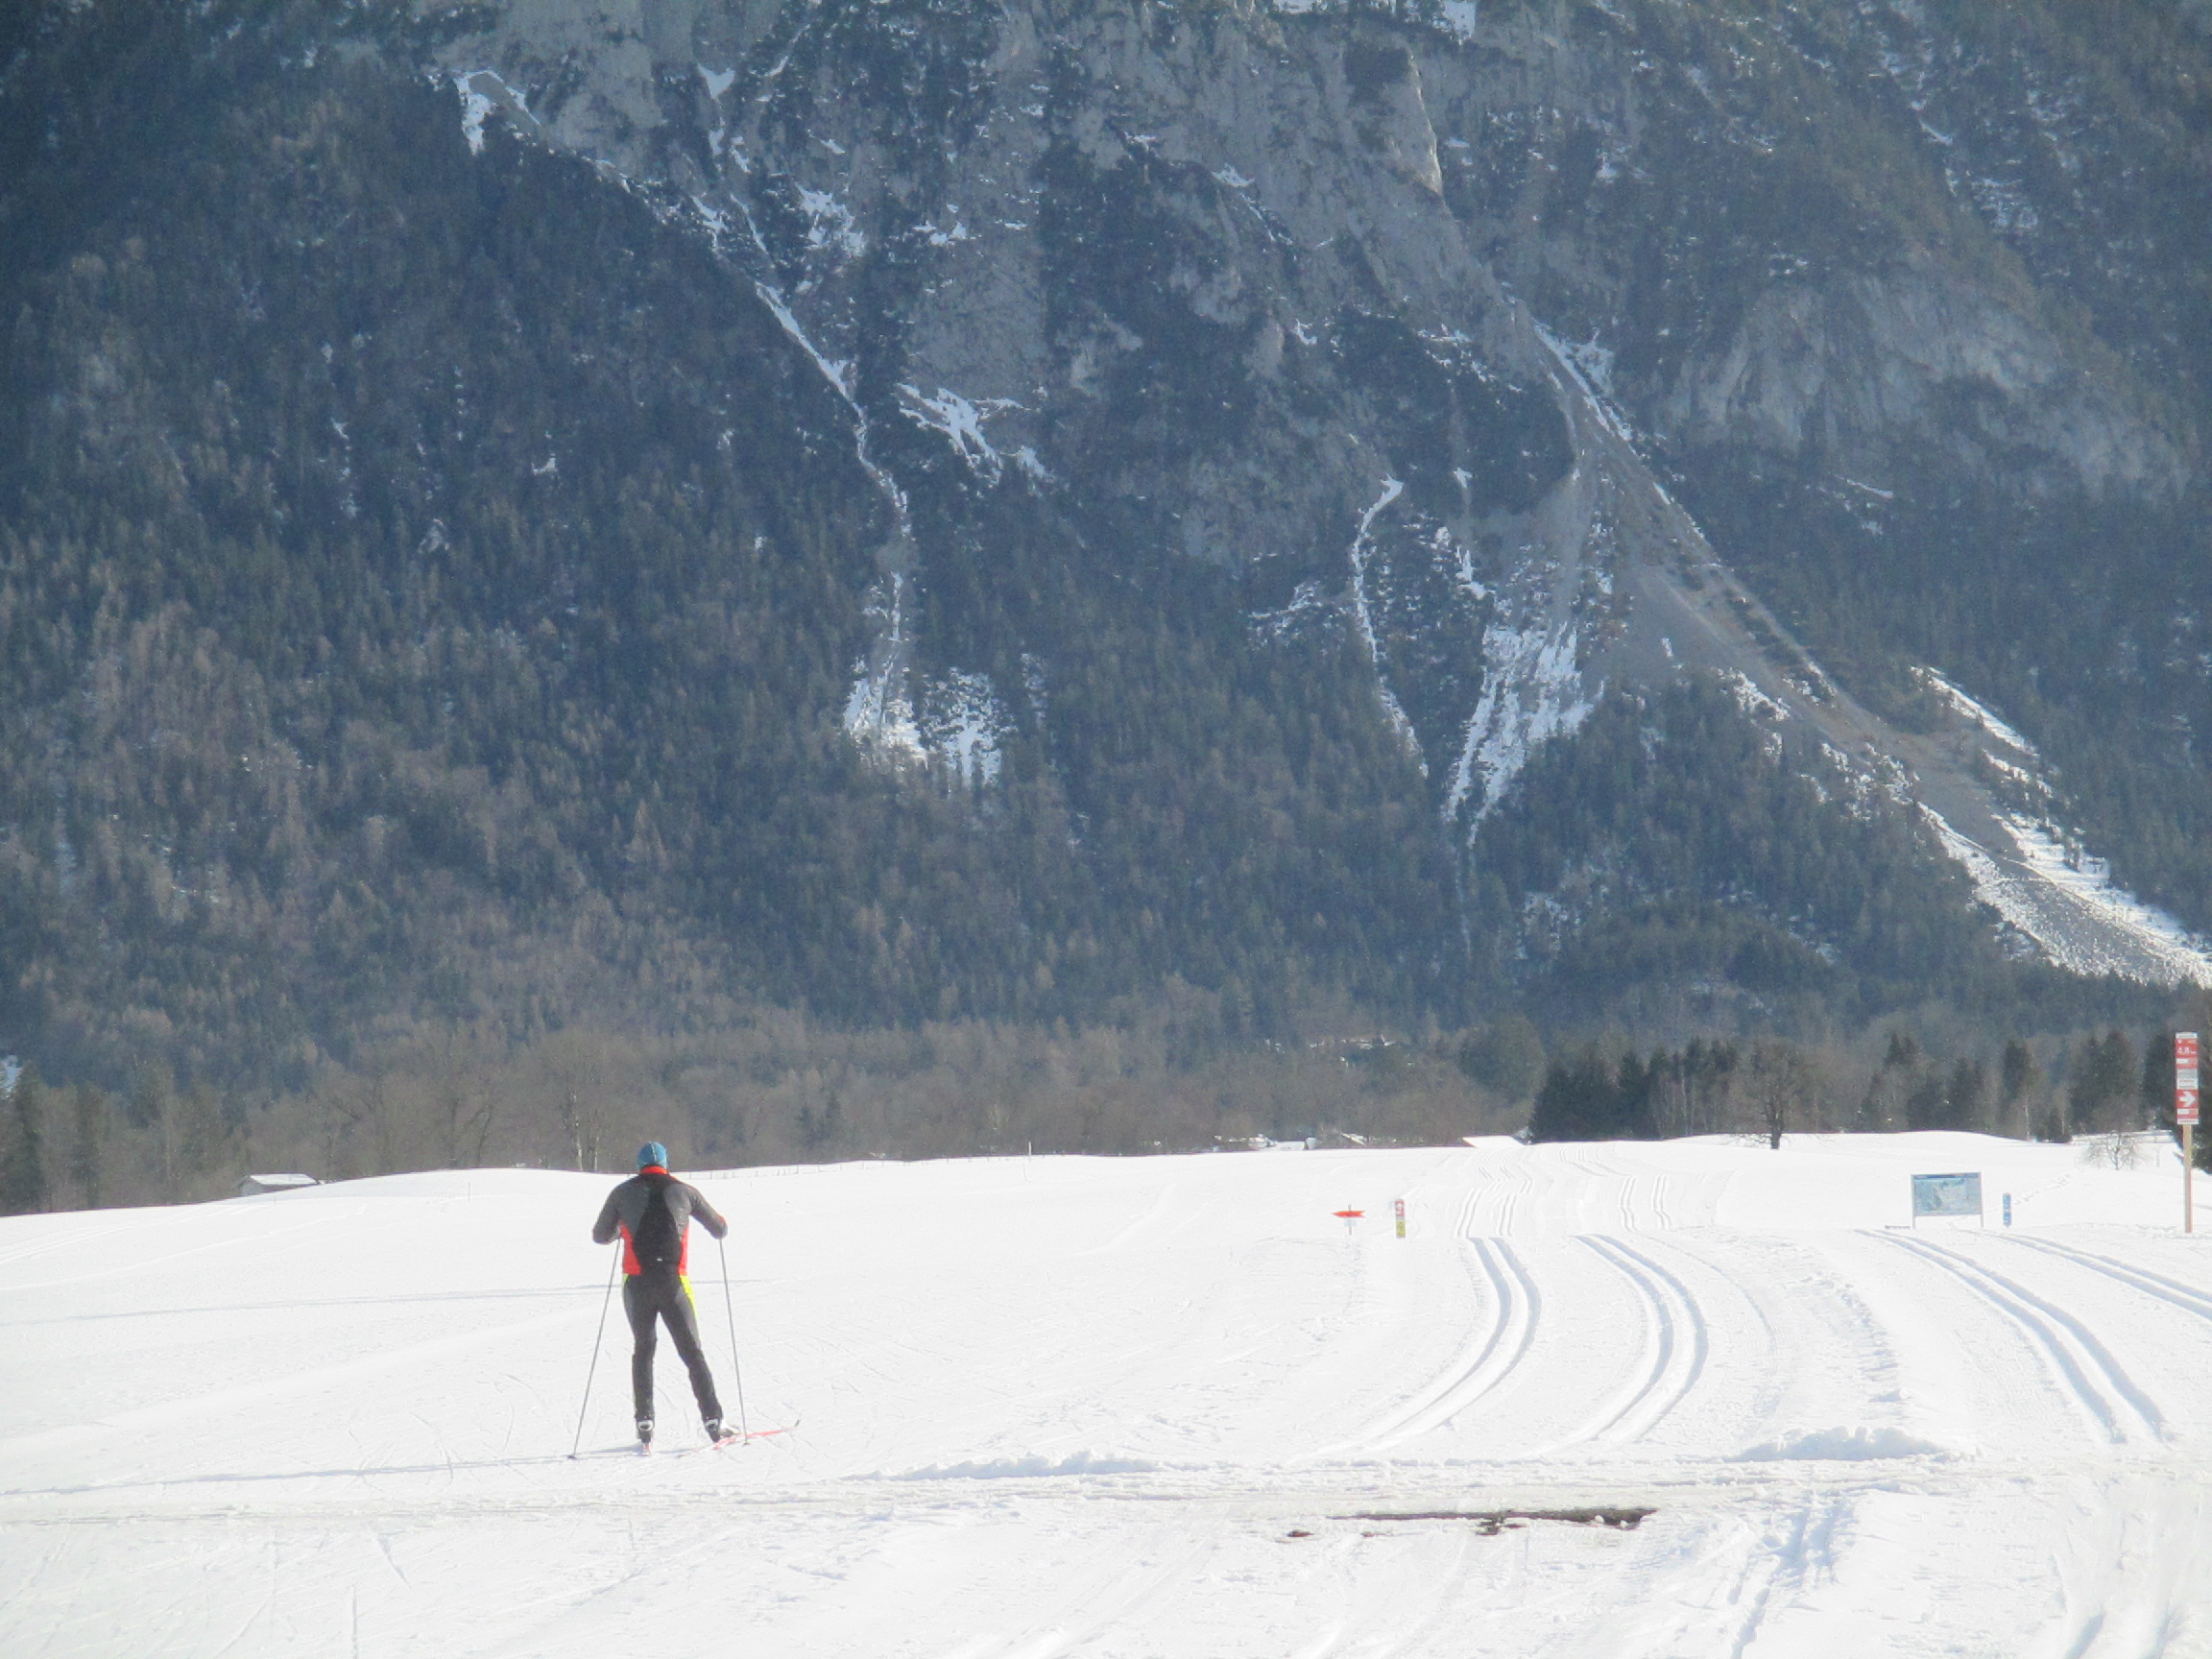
[[1136, 1407]]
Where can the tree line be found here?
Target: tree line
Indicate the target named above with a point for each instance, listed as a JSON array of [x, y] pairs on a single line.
[[776, 1089], [2049, 1089], [780, 1088]]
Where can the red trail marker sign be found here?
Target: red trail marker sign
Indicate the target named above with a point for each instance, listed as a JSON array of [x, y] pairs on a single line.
[[2187, 1100]]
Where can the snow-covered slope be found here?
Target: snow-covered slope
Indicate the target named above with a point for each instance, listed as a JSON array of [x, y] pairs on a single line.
[[1162, 1406]]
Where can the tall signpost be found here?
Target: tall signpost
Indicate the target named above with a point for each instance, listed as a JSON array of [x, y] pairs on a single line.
[[2185, 1101]]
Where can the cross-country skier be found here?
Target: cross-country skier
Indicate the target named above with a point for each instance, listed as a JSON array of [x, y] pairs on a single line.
[[653, 1210]]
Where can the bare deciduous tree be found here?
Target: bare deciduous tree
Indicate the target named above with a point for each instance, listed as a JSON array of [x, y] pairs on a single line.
[[1777, 1089]]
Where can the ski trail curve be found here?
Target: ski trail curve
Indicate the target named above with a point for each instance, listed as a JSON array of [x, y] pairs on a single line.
[[1481, 1366], [2080, 1358], [2186, 1297], [1486, 1361], [1675, 1347], [1486, 1364], [1501, 1197]]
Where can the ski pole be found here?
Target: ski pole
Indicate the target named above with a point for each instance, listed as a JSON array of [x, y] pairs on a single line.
[[729, 1313], [598, 1337]]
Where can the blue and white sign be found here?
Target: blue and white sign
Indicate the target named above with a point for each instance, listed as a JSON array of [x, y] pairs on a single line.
[[1946, 1195]]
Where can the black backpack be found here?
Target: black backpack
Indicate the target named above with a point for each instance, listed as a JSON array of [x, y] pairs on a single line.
[[657, 1243]]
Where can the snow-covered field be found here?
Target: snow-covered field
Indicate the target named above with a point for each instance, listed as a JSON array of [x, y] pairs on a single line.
[[1166, 1407]]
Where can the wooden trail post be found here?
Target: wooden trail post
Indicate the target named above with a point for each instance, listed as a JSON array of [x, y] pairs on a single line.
[[2185, 1102]]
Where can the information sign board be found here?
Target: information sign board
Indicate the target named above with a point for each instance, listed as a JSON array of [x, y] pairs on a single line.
[[1946, 1195]]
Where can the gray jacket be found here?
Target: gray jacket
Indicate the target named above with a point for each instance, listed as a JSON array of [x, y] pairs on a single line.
[[653, 1212]]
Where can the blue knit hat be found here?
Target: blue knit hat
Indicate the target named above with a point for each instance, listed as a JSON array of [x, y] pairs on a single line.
[[652, 1152]]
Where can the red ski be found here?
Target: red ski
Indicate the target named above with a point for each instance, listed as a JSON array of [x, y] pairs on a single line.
[[736, 1439]]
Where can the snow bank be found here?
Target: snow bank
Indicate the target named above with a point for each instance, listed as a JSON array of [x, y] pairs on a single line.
[[1840, 1445]]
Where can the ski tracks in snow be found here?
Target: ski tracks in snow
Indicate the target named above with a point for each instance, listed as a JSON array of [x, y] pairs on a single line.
[[2127, 1555], [1515, 1308], [1713, 1594], [2189, 1298], [1066, 1414], [1675, 1343], [1672, 1347], [2094, 1380]]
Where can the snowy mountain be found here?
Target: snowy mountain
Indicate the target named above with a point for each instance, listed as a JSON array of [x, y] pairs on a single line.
[[1599, 1400], [1167, 207], [938, 510]]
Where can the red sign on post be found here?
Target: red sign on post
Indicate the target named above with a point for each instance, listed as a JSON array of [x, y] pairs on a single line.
[[2185, 1102]]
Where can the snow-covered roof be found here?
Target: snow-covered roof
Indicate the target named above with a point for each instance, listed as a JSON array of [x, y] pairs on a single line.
[[274, 1183]]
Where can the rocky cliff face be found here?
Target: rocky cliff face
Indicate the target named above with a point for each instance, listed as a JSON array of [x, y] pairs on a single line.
[[1402, 317]]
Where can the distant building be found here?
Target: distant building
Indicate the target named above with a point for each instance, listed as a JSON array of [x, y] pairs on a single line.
[[253, 1184]]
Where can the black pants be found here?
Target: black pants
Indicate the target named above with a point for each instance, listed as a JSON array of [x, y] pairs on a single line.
[[661, 1294]]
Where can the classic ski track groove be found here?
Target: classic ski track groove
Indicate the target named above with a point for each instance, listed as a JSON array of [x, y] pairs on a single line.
[[1484, 1363], [1675, 1342], [2070, 1344], [2186, 1297], [1487, 1365], [1513, 1185]]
